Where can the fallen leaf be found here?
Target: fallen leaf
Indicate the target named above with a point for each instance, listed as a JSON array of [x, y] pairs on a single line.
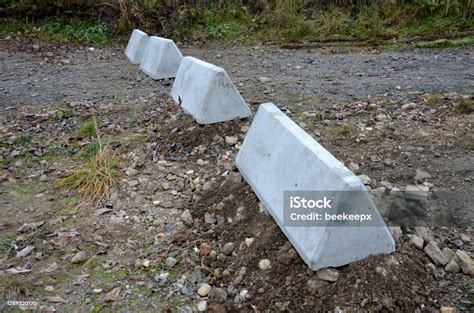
[[50, 268], [55, 299], [102, 211], [17, 270], [112, 295], [25, 252]]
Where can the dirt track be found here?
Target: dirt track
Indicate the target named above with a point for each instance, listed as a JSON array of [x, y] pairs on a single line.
[[53, 74]]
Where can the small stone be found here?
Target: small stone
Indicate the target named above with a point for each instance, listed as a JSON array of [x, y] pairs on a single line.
[[49, 288], [249, 241], [209, 218], [417, 241], [202, 306], [205, 249], [425, 233], [265, 264], [187, 218], [200, 162], [43, 178], [452, 267], [447, 309], [165, 185], [435, 254], [449, 253], [228, 248], [365, 179], [465, 262], [79, 257], [131, 171], [353, 167], [231, 140], [146, 263], [218, 295], [204, 290], [421, 175], [465, 238], [170, 261], [97, 290], [328, 274]]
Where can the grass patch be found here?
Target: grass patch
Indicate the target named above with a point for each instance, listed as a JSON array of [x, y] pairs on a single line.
[[94, 178], [445, 43], [88, 129], [58, 30], [466, 106]]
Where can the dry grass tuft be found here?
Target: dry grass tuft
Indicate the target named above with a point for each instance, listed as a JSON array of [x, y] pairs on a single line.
[[93, 179]]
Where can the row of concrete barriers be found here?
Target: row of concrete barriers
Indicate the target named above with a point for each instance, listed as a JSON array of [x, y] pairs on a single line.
[[276, 156]]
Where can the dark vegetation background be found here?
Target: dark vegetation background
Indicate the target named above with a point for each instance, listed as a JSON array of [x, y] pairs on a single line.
[[96, 22]]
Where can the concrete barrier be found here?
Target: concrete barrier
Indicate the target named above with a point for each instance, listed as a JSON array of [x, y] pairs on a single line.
[[136, 46], [206, 92], [277, 157], [161, 58]]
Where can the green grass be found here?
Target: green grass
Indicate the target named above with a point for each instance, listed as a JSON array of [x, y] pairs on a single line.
[[88, 129], [445, 43], [58, 30]]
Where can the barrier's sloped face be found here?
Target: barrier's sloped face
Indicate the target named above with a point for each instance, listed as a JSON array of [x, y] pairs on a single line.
[[136, 46], [206, 92], [282, 163], [161, 58]]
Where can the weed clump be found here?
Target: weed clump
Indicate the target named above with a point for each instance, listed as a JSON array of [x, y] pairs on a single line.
[[88, 129]]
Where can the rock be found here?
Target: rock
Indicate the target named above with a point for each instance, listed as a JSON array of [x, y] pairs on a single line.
[[202, 306], [228, 248], [205, 249], [234, 177], [447, 309], [146, 263], [328, 274], [200, 162], [316, 283], [425, 233], [417, 241], [218, 295], [449, 253], [265, 264], [131, 172], [170, 261], [79, 257], [452, 267], [396, 232], [365, 179], [187, 218], [231, 140], [49, 288], [353, 167], [209, 218], [204, 289], [286, 255], [435, 254], [465, 238], [415, 193], [422, 175], [249, 241], [465, 262]]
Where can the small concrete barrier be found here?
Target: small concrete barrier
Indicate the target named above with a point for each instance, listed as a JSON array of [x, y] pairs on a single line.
[[161, 58], [278, 157], [206, 92], [136, 46]]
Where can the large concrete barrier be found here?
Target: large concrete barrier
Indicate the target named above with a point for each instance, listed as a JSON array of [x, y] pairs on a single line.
[[279, 158], [136, 46], [206, 92], [161, 58]]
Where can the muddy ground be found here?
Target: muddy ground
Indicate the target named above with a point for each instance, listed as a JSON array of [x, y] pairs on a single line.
[[180, 215]]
